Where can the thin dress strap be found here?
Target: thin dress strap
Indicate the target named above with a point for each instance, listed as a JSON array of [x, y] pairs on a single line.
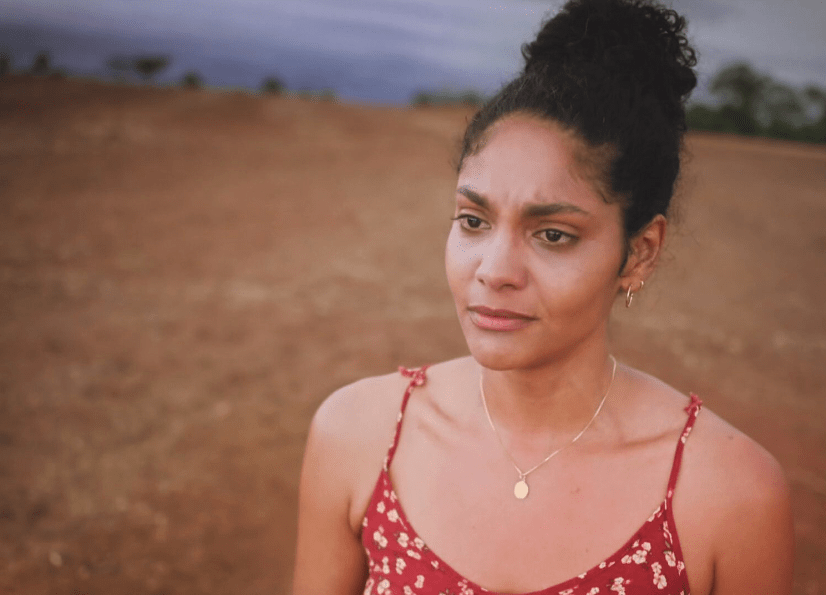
[[693, 411], [417, 378]]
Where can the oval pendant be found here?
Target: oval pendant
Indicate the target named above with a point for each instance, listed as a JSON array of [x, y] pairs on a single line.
[[520, 490]]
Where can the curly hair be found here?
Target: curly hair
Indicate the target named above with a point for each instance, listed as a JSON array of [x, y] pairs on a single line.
[[615, 73]]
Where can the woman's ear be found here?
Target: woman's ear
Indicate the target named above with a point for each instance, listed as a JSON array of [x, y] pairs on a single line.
[[643, 253]]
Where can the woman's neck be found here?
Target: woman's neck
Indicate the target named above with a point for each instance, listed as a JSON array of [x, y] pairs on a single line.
[[560, 397]]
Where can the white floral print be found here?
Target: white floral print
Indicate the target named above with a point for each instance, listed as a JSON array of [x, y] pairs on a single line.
[[659, 579], [400, 563]]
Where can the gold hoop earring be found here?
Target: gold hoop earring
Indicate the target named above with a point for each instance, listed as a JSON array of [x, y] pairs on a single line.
[[629, 295]]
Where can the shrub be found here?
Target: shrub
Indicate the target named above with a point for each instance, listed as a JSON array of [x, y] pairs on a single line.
[[42, 64], [272, 85], [192, 80], [468, 98], [5, 64], [149, 66], [120, 66]]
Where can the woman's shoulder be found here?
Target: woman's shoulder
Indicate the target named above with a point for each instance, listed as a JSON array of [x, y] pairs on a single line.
[[724, 462], [368, 409], [715, 441], [351, 432], [737, 480], [716, 452], [357, 421], [361, 417], [731, 502]]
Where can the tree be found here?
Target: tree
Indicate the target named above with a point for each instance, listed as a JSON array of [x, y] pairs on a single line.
[[815, 99], [120, 66], [816, 96], [192, 80], [472, 99], [5, 64], [785, 110], [42, 64], [753, 103], [468, 98], [272, 85], [149, 66], [742, 89], [422, 99]]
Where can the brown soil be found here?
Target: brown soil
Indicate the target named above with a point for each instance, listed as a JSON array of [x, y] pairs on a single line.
[[185, 275]]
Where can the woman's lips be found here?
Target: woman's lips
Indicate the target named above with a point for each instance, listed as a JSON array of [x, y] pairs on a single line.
[[491, 319]]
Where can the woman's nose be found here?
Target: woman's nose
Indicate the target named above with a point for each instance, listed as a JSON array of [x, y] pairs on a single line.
[[501, 264]]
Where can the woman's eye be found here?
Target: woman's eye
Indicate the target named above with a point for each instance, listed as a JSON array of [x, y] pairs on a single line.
[[554, 236], [469, 221]]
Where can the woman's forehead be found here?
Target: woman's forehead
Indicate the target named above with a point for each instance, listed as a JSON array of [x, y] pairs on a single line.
[[527, 160]]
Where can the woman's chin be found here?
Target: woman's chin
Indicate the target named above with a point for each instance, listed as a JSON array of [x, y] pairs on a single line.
[[502, 355]]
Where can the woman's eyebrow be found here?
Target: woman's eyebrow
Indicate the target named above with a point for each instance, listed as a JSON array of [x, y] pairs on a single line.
[[531, 211], [538, 210], [474, 197]]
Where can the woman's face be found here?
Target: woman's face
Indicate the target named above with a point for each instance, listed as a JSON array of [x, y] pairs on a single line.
[[534, 253]]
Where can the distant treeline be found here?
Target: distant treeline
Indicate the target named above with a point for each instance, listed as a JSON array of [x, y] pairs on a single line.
[[746, 101], [752, 103], [446, 97], [147, 66]]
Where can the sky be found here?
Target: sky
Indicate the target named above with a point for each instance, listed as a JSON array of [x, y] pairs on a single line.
[[379, 50]]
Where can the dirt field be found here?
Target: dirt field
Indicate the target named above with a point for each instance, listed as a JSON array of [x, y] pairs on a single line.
[[185, 275]]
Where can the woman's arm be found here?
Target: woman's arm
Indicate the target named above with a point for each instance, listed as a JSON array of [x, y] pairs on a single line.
[[755, 549], [329, 556]]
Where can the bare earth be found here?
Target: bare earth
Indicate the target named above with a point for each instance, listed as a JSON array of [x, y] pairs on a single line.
[[185, 275]]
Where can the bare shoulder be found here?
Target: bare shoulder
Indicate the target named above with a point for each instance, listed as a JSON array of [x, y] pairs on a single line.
[[720, 461], [348, 438], [358, 412], [350, 434], [733, 510], [716, 449], [731, 502], [740, 471]]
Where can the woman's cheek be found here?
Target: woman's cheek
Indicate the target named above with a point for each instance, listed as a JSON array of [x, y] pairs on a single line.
[[459, 259], [460, 250]]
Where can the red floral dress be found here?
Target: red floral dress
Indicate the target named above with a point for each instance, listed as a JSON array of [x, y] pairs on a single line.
[[400, 563]]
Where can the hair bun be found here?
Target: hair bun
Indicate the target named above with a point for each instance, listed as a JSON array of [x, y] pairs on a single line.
[[637, 42]]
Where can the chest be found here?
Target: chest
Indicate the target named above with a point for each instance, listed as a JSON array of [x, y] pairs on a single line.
[[399, 560], [456, 508]]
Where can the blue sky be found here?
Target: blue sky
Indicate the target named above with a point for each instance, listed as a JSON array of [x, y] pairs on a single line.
[[379, 50]]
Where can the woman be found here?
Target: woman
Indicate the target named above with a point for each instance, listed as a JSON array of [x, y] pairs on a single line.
[[539, 464]]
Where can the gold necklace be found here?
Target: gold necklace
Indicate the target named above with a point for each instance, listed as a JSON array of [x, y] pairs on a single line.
[[520, 490]]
